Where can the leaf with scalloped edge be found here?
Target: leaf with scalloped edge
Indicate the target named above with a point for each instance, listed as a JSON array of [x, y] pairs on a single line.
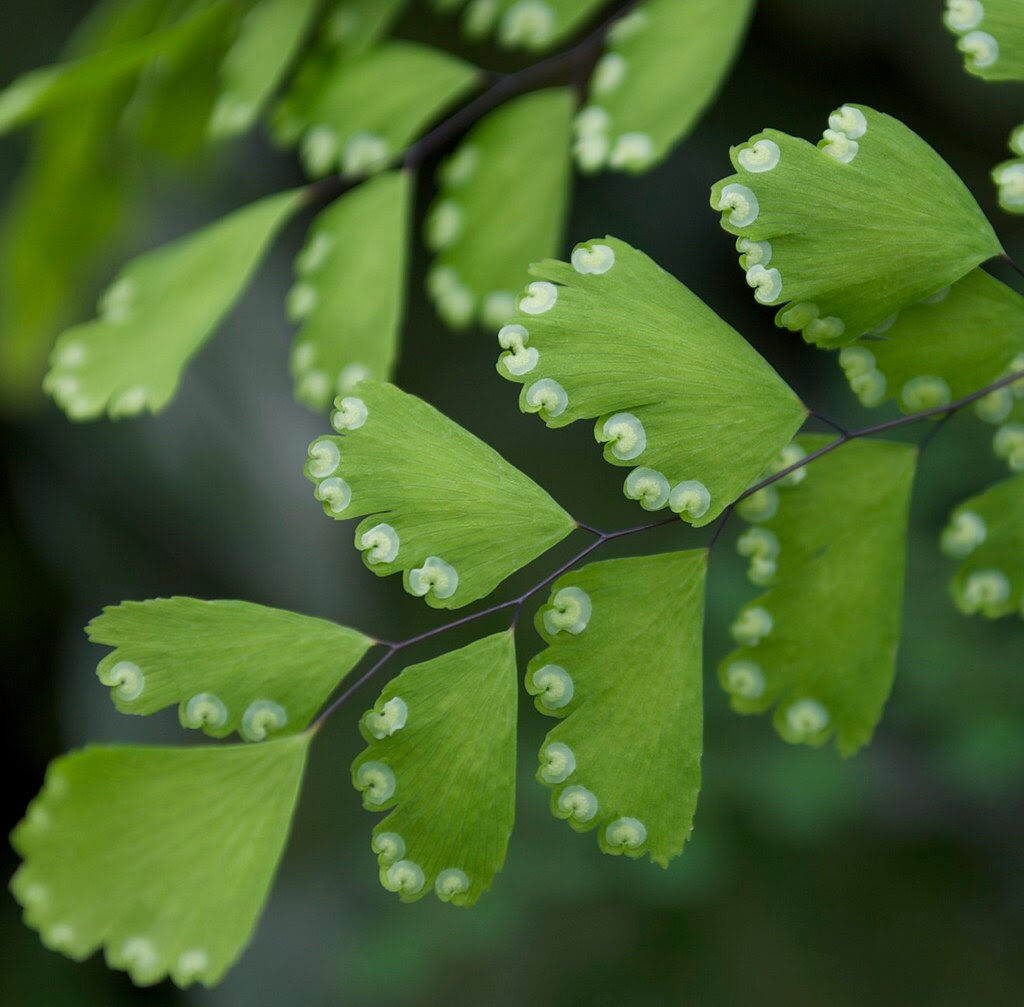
[[71, 161], [40, 91], [623, 668], [1009, 176], [375, 104], [447, 780], [349, 28], [162, 856], [491, 217], [947, 346], [229, 665], [663, 65], [820, 645], [845, 234], [439, 502], [158, 312], [674, 389], [271, 33], [533, 25], [990, 34], [986, 533], [350, 293]]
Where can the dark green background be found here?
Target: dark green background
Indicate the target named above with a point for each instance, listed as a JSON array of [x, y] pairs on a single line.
[[892, 878]]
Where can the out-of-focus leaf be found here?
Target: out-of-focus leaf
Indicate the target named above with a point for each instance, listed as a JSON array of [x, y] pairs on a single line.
[[663, 64], [157, 313], [271, 33], [376, 104], [350, 294], [492, 217]]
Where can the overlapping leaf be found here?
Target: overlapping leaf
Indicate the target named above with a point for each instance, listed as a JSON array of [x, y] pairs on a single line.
[[848, 233], [522, 24], [820, 645], [623, 668], [350, 294], [350, 27], [271, 34], [159, 311], [663, 65], [162, 856], [675, 391], [443, 508], [962, 339], [41, 90], [229, 665], [377, 103], [990, 34], [447, 778], [501, 205], [986, 532]]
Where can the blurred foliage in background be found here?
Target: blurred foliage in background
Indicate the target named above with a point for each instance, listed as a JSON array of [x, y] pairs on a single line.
[[893, 878]]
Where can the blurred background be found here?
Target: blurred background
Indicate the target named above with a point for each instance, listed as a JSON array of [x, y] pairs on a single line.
[[895, 877]]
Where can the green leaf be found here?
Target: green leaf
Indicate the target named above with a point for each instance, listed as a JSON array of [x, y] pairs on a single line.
[[271, 34], [847, 233], [524, 24], [962, 339], [377, 103], [350, 293], [229, 665], [491, 217], [440, 501], [75, 160], [990, 34], [700, 425], [170, 112], [449, 787], [39, 91], [623, 668], [987, 533], [663, 65], [162, 856], [820, 645], [159, 311], [351, 27], [1009, 176]]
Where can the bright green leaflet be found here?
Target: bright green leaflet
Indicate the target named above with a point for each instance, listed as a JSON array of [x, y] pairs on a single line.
[[663, 64], [349, 28], [158, 312], [623, 667], [162, 856], [271, 34], [820, 645], [444, 508], [986, 532], [524, 24], [847, 233], [675, 390], [229, 665], [962, 339], [491, 217], [350, 292], [40, 91], [1009, 176], [990, 34], [448, 780], [376, 104], [71, 162]]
